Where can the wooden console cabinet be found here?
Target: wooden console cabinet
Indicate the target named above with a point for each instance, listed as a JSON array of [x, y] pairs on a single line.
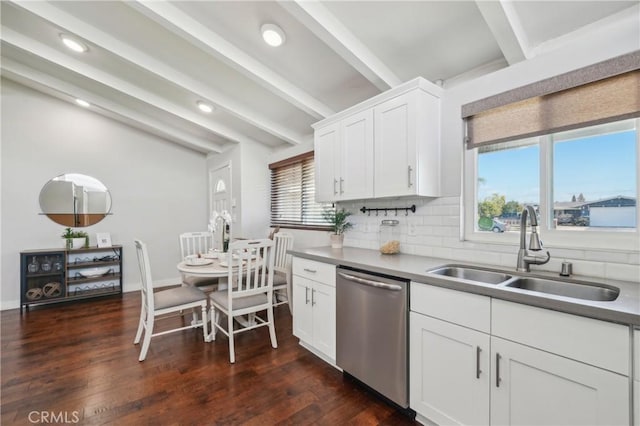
[[61, 275]]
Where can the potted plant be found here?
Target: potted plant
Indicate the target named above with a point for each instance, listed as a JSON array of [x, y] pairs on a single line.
[[75, 239], [337, 219]]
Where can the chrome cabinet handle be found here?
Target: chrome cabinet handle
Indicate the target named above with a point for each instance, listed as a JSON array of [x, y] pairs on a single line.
[[313, 299], [335, 191], [409, 170], [306, 295], [312, 271], [341, 182], [498, 379], [478, 371]]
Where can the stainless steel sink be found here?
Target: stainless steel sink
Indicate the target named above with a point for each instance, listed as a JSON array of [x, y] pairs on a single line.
[[576, 290], [472, 274]]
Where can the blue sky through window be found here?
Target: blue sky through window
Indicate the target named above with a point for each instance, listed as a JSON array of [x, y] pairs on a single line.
[[598, 167]]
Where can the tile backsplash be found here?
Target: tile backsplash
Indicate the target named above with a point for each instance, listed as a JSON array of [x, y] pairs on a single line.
[[434, 231]]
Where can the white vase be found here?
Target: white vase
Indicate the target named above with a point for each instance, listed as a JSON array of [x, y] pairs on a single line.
[[336, 240], [78, 242]]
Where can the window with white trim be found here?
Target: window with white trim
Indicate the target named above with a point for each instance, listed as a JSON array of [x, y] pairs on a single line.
[[569, 146], [293, 202], [583, 184]]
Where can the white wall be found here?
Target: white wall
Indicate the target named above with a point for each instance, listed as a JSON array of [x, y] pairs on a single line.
[[255, 190], [157, 187]]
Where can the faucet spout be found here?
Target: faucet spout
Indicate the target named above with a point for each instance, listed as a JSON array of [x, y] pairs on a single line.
[[524, 257]]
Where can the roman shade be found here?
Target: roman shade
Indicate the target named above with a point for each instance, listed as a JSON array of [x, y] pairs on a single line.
[[604, 92], [293, 202]]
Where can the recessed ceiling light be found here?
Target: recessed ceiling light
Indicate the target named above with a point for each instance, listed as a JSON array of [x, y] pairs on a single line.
[[73, 44], [204, 107], [83, 103], [272, 34]]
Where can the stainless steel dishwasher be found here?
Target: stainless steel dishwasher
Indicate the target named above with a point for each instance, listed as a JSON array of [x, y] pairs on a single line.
[[371, 331]]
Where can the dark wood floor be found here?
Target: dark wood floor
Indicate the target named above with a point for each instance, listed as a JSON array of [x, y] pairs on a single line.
[[77, 362]]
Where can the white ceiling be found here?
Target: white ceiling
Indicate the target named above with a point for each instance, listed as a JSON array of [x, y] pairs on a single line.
[[150, 62]]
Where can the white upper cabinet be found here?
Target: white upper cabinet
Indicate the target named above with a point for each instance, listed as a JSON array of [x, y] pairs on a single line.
[[407, 146], [326, 155], [344, 159], [387, 146]]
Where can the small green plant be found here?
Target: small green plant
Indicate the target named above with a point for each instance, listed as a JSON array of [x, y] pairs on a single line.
[[337, 219], [70, 233]]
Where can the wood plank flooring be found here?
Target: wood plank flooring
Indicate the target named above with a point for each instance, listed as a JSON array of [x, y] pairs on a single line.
[[76, 363]]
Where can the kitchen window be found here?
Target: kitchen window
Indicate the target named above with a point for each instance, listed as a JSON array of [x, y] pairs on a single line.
[[293, 202], [583, 184], [568, 145]]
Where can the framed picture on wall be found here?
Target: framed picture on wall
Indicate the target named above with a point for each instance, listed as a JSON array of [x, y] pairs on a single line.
[[104, 239]]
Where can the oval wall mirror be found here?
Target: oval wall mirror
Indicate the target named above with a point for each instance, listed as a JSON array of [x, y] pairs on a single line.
[[75, 200]]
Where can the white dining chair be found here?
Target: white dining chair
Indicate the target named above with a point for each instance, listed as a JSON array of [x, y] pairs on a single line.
[[195, 243], [159, 304], [250, 291], [282, 269]]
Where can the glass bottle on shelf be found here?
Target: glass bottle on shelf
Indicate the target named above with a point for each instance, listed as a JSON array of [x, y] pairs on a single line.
[[33, 266], [57, 264], [389, 236], [45, 266]]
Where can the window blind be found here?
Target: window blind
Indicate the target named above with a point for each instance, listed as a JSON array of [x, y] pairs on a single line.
[[601, 93], [293, 202]]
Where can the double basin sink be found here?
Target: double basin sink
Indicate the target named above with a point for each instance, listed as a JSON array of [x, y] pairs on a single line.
[[559, 287]]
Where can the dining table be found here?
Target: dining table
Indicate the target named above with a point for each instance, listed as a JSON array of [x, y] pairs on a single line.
[[211, 266]]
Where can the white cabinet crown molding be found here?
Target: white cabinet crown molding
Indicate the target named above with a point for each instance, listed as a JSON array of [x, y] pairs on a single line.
[[417, 83]]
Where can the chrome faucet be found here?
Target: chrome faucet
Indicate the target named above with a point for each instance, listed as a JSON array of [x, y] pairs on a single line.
[[525, 258]]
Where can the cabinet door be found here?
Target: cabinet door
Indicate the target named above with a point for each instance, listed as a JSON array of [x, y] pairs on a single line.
[[323, 300], [532, 387], [636, 378], [326, 159], [302, 309], [450, 375], [395, 147], [356, 157]]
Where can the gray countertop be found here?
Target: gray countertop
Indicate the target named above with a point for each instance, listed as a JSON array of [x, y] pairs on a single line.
[[625, 309]]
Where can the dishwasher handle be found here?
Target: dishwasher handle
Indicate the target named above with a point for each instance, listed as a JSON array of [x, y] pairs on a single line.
[[372, 283]]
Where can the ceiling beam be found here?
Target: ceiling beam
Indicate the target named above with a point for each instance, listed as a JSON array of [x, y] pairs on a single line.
[[144, 61], [173, 19], [504, 23], [120, 86], [68, 92], [331, 31]]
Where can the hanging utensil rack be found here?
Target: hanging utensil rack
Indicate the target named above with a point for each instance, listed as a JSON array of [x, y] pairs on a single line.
[[386, 210]]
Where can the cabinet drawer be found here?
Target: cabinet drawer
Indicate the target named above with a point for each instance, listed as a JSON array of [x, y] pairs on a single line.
[[594, 342], [316, 271], [466, 309]]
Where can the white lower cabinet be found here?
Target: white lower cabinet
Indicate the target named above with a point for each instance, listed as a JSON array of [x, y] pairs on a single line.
[[533, 387], [314, 307], [530, 366], [449, 372], [636, 377]]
